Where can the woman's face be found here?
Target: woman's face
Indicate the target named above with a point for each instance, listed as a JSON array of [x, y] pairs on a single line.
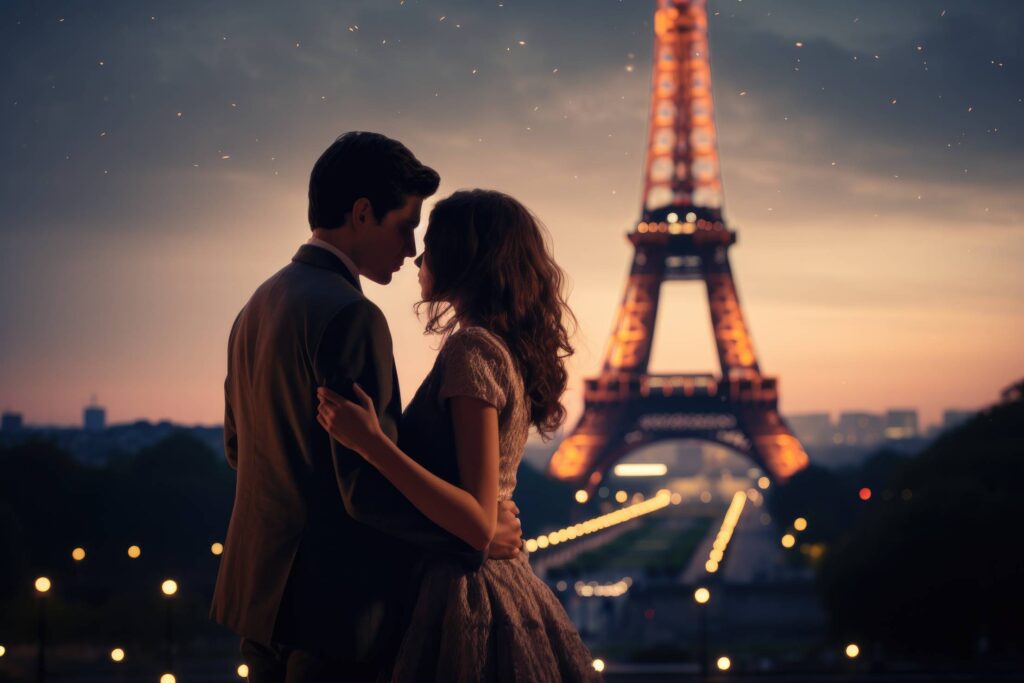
[[426, 279]]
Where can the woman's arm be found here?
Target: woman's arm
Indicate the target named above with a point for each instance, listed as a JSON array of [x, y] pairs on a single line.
[[469, 513]]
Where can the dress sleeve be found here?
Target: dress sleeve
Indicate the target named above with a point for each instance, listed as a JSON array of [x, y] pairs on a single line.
[[475, 366]]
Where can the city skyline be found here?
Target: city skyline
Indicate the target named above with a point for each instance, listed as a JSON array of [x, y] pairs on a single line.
[[159, 166]]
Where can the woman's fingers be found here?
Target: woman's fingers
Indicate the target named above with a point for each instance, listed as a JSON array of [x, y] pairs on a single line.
[[326, 395], [364, 398]]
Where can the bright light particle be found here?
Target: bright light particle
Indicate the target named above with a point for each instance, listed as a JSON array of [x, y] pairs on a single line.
[[78, 554], [134, 552], [598, 665], [167, 678], [852, 650], [243, 671], [865, 493], [217, 548], [117, 654], [582, 496], [43, 584], [724, 663]]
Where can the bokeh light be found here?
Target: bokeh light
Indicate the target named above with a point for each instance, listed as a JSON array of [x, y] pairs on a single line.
[[78, 554], [788, 541], [117, 654], [702, 595], [800, 524], [167, 678], [169, 587], [598, 665], [134, 551], [43, 584], [217, 548], [243, 670], [724, 663], [582, 496], [852, 650], [865, 493]]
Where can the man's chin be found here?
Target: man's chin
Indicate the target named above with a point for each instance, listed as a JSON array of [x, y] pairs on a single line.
[[379, 278]]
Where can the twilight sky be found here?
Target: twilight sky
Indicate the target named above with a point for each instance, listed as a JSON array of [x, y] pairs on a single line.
[[156, 156]]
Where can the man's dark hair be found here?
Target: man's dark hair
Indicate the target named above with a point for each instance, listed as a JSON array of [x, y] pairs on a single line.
[[367, 165]]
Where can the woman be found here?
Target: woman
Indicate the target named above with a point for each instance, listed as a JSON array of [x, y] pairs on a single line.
[[494, 292]]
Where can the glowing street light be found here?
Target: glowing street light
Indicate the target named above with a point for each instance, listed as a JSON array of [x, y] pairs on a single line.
[[134, 552], [652, 469], [763, 483], [43, 586], [217, 548], [78, 554], [800, 524], [170, 588], [852, 650], [598, 665], [3, 650], [724, 663], [117, 654], [167, 678], [621, 496], [702, 596], [788, 541], [243, 671], [582, 496]]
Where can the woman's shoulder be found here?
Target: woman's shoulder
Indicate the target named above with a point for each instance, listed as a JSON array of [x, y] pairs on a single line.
[[477, 340]]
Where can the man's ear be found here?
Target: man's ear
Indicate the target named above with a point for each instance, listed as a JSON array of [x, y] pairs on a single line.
[[362, 212]]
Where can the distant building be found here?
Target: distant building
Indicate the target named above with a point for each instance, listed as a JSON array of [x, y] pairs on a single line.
[[11, 422], [902, 424], [813, 429], [94, 418], [861, 429], [955, 418]]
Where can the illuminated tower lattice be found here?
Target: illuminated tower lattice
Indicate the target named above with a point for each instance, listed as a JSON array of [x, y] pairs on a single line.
[[681, 236]]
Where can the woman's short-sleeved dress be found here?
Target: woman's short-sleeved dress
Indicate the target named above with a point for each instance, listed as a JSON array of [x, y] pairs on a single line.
[[501, 622]]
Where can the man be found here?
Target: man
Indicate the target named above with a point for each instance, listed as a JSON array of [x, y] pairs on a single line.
[[321, 550]]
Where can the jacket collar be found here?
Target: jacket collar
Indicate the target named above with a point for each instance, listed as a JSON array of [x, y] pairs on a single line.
[[321, 258]]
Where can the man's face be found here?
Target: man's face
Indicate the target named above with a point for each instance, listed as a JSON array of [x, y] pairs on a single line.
[[386, 245]]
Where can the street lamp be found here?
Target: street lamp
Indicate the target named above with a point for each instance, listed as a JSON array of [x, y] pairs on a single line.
[[702, 596], [43, 586], [170, 588]]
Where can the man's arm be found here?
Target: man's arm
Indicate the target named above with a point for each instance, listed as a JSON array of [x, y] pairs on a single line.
[[357, 345], [230, 433]]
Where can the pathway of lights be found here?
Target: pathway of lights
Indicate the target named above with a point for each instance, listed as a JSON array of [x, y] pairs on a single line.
[[732, 517], [593, 589], [662, 499]]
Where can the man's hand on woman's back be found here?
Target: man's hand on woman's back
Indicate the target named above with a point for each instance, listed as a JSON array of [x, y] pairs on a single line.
[[508, 537]]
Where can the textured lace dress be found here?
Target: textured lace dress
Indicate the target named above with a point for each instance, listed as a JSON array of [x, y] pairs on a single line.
[[501, 622]]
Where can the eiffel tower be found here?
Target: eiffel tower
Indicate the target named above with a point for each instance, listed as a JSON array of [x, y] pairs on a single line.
[[681, 236]]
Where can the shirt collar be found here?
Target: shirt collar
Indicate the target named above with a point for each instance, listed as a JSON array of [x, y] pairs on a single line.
[[342, 256]]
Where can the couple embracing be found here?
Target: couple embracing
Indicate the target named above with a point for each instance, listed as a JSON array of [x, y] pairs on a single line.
[[368, 544]]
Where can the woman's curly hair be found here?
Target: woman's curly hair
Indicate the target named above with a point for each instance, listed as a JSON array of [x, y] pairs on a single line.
[[489, 258]]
